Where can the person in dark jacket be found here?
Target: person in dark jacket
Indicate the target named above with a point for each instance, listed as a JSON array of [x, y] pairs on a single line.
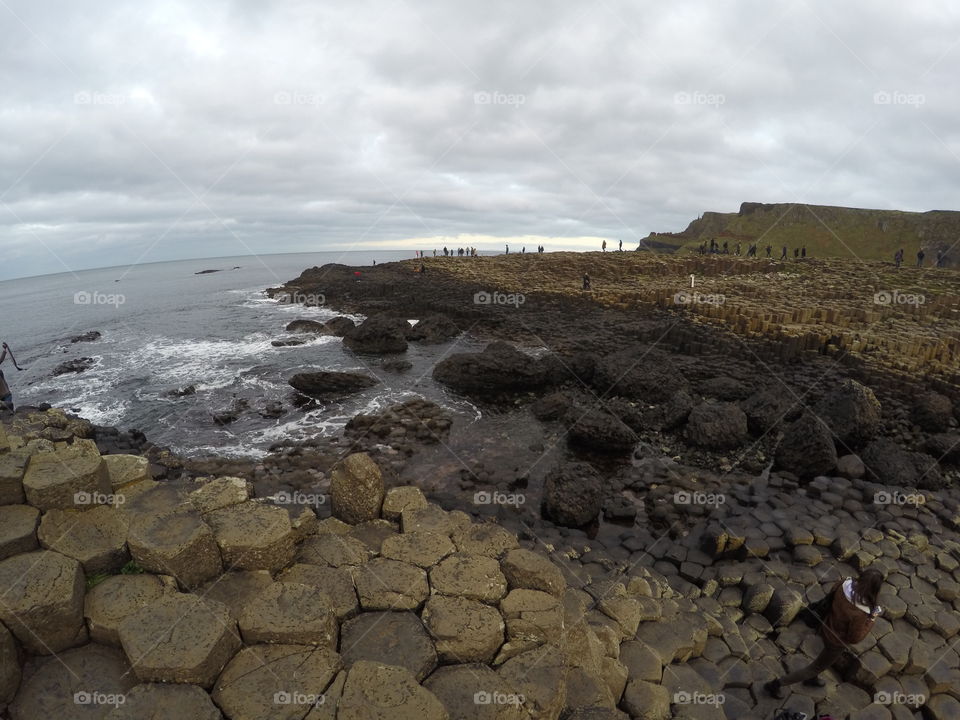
[[853, 611]]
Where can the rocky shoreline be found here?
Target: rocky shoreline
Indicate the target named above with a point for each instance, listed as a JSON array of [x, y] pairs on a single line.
[[630, 529]]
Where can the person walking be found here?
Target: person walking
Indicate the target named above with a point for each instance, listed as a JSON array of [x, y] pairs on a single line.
[[604, 246], [898, 257], [621, 246], [6, 396], [920, 256], [852, 611], [783, 255], [769, 248], [586, 281]]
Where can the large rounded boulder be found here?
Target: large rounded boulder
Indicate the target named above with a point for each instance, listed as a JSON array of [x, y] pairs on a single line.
[[573, 495], [717, 426], [852, 412], [378, 335], [498, 370], [807, 448]]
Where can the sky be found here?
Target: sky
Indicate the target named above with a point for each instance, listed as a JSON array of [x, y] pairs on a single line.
[[149, 131]]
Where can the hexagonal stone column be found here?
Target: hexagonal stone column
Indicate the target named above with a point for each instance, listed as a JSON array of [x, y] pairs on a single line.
[[391, 638], [178, 544], [97, 538], [384, 692], [335, 583], [477, 577], [12, 467], [275, 681], [476, 691], [42, 600], [253, 536], [124, 470], [110, 602], [532, 615], [18, 529], [463, 630], [530, 570], [390, 585], [9, 667], [155, 700], [179, 638], [72, 477], [290, 613], [356, 489], [87, 682]]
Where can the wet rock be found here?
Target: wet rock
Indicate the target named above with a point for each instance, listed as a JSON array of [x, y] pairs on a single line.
[[43, 600], [463, 630], [304, 326], [338, 326], [602, 432], [392, 638], [89, 336], [378, 335], [288, 342], [78, 365], [396, 365], [807, 448], [717, 426], [573, 495], [852, 412], [384, 692], [179, 638], [327, 383], [356, 489], [433, 329], [500, 369], [932, 412]]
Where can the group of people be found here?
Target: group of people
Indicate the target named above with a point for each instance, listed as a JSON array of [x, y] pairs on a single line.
[[921, 254], [716, 248], [603, 246], [523, 250]]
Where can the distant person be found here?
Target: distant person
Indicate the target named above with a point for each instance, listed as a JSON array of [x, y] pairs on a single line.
[[898, 257], [508, 250], [852, 610], [738, 249], [523, 250], [726, 247], [444, 250], [920, 256], [796, 253], [769, 248], [586, 282], [604, 246], [621, 246], [783, 255], [6, 397], [940, 258], [803, 251]]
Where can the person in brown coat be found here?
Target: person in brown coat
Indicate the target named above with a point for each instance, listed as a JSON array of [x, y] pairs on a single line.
[[852, 612]]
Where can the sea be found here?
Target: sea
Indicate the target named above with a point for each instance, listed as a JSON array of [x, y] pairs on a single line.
[[164, 327]]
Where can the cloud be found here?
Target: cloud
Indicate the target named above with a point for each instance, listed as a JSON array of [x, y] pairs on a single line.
[[175, 129]]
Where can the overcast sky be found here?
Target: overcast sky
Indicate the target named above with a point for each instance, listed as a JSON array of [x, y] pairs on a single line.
[[137, 132]]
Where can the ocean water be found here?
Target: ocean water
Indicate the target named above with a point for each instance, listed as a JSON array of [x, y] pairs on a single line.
[[164, 327]]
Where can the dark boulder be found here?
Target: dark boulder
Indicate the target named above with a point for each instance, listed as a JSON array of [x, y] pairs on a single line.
[[90, 336], [74, 366], [378, 335], [231, 414], [182, 392], [433, 329], [637, 376], [396, 365], [338, 326], [304, 326], [669, 415], [717, 426], [768, 408], [288, 342], [328, 384], [723, 388], [498, 370], [807, 448], [551, 407], [944, 446], [888, 463], [932, 411], [629, 413], [852, 412], [600, 431], [573, 495]]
